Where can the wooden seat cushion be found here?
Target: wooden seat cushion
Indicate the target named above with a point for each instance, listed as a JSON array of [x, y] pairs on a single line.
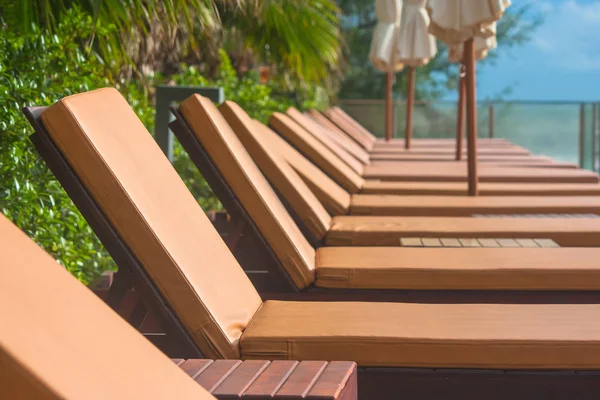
[[459, 268], [466, 206], [428, 335], [387, 231]]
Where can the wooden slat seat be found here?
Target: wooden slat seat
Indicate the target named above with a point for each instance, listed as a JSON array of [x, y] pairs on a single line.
[[281, 379]]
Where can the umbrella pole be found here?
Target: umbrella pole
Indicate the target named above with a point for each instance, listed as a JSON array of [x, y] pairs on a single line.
[[471, 103], [460, 113], [410, 99], [389, 112]]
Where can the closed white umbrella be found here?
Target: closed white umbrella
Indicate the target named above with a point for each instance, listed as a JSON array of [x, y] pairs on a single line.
[[455, 21], [455, 54], [459, 21], [383, 51], [482, 45], [416, 46]]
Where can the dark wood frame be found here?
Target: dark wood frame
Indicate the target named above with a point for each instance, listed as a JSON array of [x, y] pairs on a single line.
[[289, 291], [379, 383], [176, 340]]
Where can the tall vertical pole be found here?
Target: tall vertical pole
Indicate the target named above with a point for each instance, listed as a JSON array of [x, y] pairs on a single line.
[[410, 100], [471, 103], [460, 113], [389, 113], [597, 138], [491, 115], [581, 134], [594, 136]]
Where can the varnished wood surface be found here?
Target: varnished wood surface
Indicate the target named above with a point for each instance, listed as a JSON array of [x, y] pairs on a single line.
[[256, 379]]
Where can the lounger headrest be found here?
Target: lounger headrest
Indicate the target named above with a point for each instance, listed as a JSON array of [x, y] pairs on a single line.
[[59, 341], [329, 141], [331, 195], [251, 187], [318, 153], [351, 127], [332, 133], [269, 155], [156, 216]]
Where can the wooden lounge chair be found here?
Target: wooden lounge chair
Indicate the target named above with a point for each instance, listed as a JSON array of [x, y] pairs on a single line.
[[366, 139], [149, 221], [432, 148], [328, 132], [320, 149], [100, 356], [59, 341], [263, 144], [246, 194], [364, 230]]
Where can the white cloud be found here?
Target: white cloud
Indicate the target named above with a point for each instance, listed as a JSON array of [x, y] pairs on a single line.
[[569, 37]]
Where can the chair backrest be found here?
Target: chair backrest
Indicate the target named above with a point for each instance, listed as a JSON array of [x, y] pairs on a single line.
[[331, 195], [341, 139], [251, 188], [59, 341], [322, 120], [271, 161], [345, 156], [314, 150], [337, 114], [344, 126], [149, 206]]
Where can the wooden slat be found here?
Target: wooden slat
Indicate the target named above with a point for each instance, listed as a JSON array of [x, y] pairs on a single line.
[[431, 242], [546, 243], [527, 243], [216, 373], [194, 367], [488, 242], [332, 381], [477, 242], [450, 242], [272, 378], [507, 243], [469, 242], [302, 379], [411, 242], [236, 383]]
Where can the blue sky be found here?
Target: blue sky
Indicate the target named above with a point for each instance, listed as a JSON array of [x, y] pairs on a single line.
[[562, 62]]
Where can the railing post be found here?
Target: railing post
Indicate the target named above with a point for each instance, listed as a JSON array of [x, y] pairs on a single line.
[[491, 114], [167, 95], [595, 133], [581, 134]]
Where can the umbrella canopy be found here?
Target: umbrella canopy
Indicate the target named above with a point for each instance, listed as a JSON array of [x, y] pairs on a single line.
[[385, 36], [416, 46], [383, 52], [482, 47], [455, 21]]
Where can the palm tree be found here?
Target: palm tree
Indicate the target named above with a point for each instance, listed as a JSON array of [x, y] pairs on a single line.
[[299, 37]]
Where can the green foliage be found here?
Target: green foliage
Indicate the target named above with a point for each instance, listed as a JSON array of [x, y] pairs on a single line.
[[39, 69], [300, 37], [256, 98], [140, 30]]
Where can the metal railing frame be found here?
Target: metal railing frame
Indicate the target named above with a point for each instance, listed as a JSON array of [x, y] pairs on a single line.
[[166, 95], [594, 128]]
